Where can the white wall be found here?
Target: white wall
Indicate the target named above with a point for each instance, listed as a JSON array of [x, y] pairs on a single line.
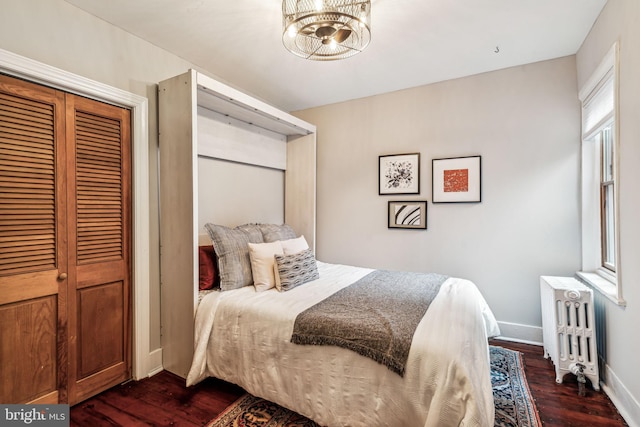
[[523, 121], [620, 21]]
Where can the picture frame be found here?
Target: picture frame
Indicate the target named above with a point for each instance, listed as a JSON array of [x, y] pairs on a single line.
[[407, 214], [456, 180], [399, 174]]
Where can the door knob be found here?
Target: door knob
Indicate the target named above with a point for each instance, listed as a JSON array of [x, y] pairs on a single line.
[[62, 276]]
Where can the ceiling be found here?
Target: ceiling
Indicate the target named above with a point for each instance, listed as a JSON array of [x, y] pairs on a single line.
[[413, 42]]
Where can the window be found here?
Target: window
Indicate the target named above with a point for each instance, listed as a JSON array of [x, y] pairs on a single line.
[[607, 200], [600, 238]]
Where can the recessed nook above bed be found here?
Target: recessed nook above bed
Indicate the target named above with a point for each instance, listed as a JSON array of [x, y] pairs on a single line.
[[258, 165]]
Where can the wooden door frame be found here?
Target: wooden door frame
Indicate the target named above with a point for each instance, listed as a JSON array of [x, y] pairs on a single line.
[[144, 363]]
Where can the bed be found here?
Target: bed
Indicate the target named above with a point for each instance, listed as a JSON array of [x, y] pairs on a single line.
[[244, 336]]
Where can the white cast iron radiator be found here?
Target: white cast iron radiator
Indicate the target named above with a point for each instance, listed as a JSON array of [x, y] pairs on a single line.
[[569, 328]]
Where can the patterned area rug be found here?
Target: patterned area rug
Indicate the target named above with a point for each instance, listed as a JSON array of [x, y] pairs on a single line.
[[513, 401], [511, 395]]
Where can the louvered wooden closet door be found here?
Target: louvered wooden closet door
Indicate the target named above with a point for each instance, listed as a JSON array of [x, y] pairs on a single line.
[[99, 244], [33, 244], [65, 227]]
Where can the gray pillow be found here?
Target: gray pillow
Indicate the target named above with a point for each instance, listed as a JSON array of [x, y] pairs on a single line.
[[295, 270], [231, 247], [275, 232]]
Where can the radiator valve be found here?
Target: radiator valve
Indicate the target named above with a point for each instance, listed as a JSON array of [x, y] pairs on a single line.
[[577, 369]]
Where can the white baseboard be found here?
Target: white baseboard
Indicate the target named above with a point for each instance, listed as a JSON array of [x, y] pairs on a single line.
[[155, 362], [620, 396], [520, 333]]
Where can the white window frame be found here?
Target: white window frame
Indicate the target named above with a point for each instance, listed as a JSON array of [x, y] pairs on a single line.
[[608, 282]]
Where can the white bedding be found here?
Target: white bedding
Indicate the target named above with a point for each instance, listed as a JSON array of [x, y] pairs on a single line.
[[242, 336]]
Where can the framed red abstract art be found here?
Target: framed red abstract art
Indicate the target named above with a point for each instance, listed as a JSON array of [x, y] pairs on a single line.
[[456, 180]]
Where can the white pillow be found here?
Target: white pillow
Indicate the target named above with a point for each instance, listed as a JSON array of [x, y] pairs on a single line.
[[262, 257], [294, 246]]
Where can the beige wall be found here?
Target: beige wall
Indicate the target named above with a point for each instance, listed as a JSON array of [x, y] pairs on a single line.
[[620, 21], [523, 121]]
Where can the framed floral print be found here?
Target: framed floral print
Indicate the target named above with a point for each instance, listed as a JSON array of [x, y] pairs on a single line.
[[399, 174]]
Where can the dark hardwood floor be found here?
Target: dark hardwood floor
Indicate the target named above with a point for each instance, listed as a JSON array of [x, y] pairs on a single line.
[[163, 400], [559, 405]]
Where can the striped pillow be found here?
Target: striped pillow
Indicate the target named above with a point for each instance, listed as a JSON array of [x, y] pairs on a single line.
[[295, 270], [275, 232], [232, 253]]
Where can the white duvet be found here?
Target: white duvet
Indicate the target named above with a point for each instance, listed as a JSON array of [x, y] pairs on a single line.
[[242, 336]]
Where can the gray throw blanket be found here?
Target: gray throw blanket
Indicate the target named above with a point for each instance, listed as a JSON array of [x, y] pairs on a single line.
[[375, 316]]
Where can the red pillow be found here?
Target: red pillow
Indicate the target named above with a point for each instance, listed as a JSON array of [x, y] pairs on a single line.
[[206, 259]]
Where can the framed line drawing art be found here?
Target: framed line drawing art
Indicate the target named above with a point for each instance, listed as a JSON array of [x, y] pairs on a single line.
[[456, 180], [399, 174], [410, 214]]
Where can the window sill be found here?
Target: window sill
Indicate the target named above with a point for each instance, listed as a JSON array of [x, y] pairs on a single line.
[[603, 284]]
